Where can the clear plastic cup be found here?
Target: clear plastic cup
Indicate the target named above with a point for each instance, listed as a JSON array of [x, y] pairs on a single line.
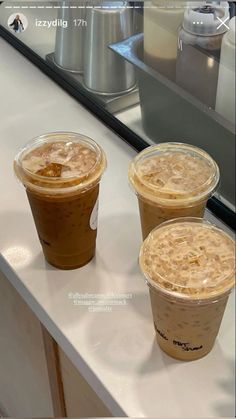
[[172, 180], [189, 266], [61, 172]]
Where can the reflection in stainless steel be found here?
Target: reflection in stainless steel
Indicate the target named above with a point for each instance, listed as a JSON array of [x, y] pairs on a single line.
[[105, 72], [70, 39], [112, 103], [170, 113]]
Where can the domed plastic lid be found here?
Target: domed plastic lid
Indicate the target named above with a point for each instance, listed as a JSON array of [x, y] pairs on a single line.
[[206, 19], [174, 174], [189, 257], [60, 162]]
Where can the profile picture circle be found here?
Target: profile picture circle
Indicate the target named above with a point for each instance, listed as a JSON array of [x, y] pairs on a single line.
[[17, 22]]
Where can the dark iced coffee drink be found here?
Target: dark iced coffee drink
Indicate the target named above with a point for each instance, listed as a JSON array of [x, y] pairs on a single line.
[[172, 180], [61, 173], [189, 265]]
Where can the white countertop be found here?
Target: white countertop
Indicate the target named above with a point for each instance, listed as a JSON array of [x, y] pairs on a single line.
[[115, 351]]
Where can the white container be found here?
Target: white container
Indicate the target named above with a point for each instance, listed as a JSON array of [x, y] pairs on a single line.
[[162, 19], [225, 99]]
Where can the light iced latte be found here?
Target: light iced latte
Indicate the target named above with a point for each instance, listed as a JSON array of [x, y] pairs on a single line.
[[172, 180], [189, 265], [61, 173]]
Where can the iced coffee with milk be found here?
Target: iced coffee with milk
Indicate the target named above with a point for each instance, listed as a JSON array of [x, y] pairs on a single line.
[[61, 173], [189, 266], [172, 180]]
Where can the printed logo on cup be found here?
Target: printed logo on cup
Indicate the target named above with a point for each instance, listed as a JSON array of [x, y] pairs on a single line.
[[94, 217], [17, 22]]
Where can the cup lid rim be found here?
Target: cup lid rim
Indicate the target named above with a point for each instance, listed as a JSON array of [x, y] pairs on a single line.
[[188, 197], [213, 290], [32, 179]]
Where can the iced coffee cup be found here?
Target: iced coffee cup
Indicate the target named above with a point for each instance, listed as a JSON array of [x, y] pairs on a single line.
[[189, 266], [172, 180], [61, 173]]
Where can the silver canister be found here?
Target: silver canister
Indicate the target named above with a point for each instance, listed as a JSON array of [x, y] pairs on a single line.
[[137, 11], [70, 35], [104, 71]]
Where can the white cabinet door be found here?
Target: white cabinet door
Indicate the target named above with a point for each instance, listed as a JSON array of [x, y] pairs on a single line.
[[80, 398], [25, 386]]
